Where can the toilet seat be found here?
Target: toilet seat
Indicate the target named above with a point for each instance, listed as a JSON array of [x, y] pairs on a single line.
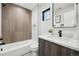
[[34, 48]]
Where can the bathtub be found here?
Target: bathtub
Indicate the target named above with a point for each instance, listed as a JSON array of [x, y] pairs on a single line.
[[16, 49]]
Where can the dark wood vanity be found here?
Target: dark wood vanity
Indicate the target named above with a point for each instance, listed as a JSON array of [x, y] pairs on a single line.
[[47, 48]]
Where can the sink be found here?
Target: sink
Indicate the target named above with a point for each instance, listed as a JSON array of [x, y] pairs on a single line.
[[65, 37], [68, 34], [57, 39]]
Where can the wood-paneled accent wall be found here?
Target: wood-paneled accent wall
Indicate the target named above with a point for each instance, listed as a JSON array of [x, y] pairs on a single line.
[[16, 23]]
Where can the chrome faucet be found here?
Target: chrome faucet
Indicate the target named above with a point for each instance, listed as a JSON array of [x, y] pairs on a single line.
[[60, 33]]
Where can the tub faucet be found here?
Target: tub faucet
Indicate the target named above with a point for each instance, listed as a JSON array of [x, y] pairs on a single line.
[[1, 43], [60, 33]]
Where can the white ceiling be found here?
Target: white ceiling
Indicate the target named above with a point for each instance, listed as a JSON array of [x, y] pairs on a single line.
[[62, 5], [29, 6]]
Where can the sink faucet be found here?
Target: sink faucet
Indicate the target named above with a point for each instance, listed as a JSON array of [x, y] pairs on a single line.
[[60, 33], [1, 43]]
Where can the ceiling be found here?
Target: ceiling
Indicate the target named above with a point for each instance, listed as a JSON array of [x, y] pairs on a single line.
[[62, 5], [29, 6]]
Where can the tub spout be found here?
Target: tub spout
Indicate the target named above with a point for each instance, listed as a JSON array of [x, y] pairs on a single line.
[[2, 43]]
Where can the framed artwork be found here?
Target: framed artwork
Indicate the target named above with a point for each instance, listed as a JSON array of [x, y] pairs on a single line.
[[46, 14]]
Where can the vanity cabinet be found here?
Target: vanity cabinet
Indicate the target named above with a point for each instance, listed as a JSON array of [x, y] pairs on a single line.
[[66, 51], [47, 48]]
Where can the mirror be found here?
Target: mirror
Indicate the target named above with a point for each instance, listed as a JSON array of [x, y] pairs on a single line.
[[65, 14]]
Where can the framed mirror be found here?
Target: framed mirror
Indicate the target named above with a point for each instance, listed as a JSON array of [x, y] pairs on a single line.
[[65, 14]]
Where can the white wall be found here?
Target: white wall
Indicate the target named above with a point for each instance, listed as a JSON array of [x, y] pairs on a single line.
[[44, 26], [40, 27], [35, 23]]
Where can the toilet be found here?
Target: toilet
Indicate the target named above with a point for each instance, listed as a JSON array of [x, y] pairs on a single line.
[[34, 49]]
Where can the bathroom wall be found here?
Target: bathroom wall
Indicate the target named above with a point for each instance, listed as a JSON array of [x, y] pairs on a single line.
[[35, 23], [44, 26], [40, 27], [16, 23]]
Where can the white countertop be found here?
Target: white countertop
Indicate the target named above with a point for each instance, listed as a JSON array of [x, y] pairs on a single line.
[[66, 42]]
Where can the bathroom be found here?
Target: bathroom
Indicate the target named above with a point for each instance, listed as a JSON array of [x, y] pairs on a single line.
[[39, 29]]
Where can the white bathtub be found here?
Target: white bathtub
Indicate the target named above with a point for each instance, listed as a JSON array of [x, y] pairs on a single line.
[[16, 49]]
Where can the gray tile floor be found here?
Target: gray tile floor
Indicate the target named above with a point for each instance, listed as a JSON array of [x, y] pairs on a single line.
[[31, 54]]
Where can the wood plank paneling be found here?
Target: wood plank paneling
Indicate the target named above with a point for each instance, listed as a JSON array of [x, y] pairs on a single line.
[[16, 23], [41, 47], [47, 48]]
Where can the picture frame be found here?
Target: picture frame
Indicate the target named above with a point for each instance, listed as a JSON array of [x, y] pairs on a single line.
[[46, 14]]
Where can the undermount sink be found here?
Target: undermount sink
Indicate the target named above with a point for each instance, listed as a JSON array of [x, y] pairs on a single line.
[[63, 37]]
